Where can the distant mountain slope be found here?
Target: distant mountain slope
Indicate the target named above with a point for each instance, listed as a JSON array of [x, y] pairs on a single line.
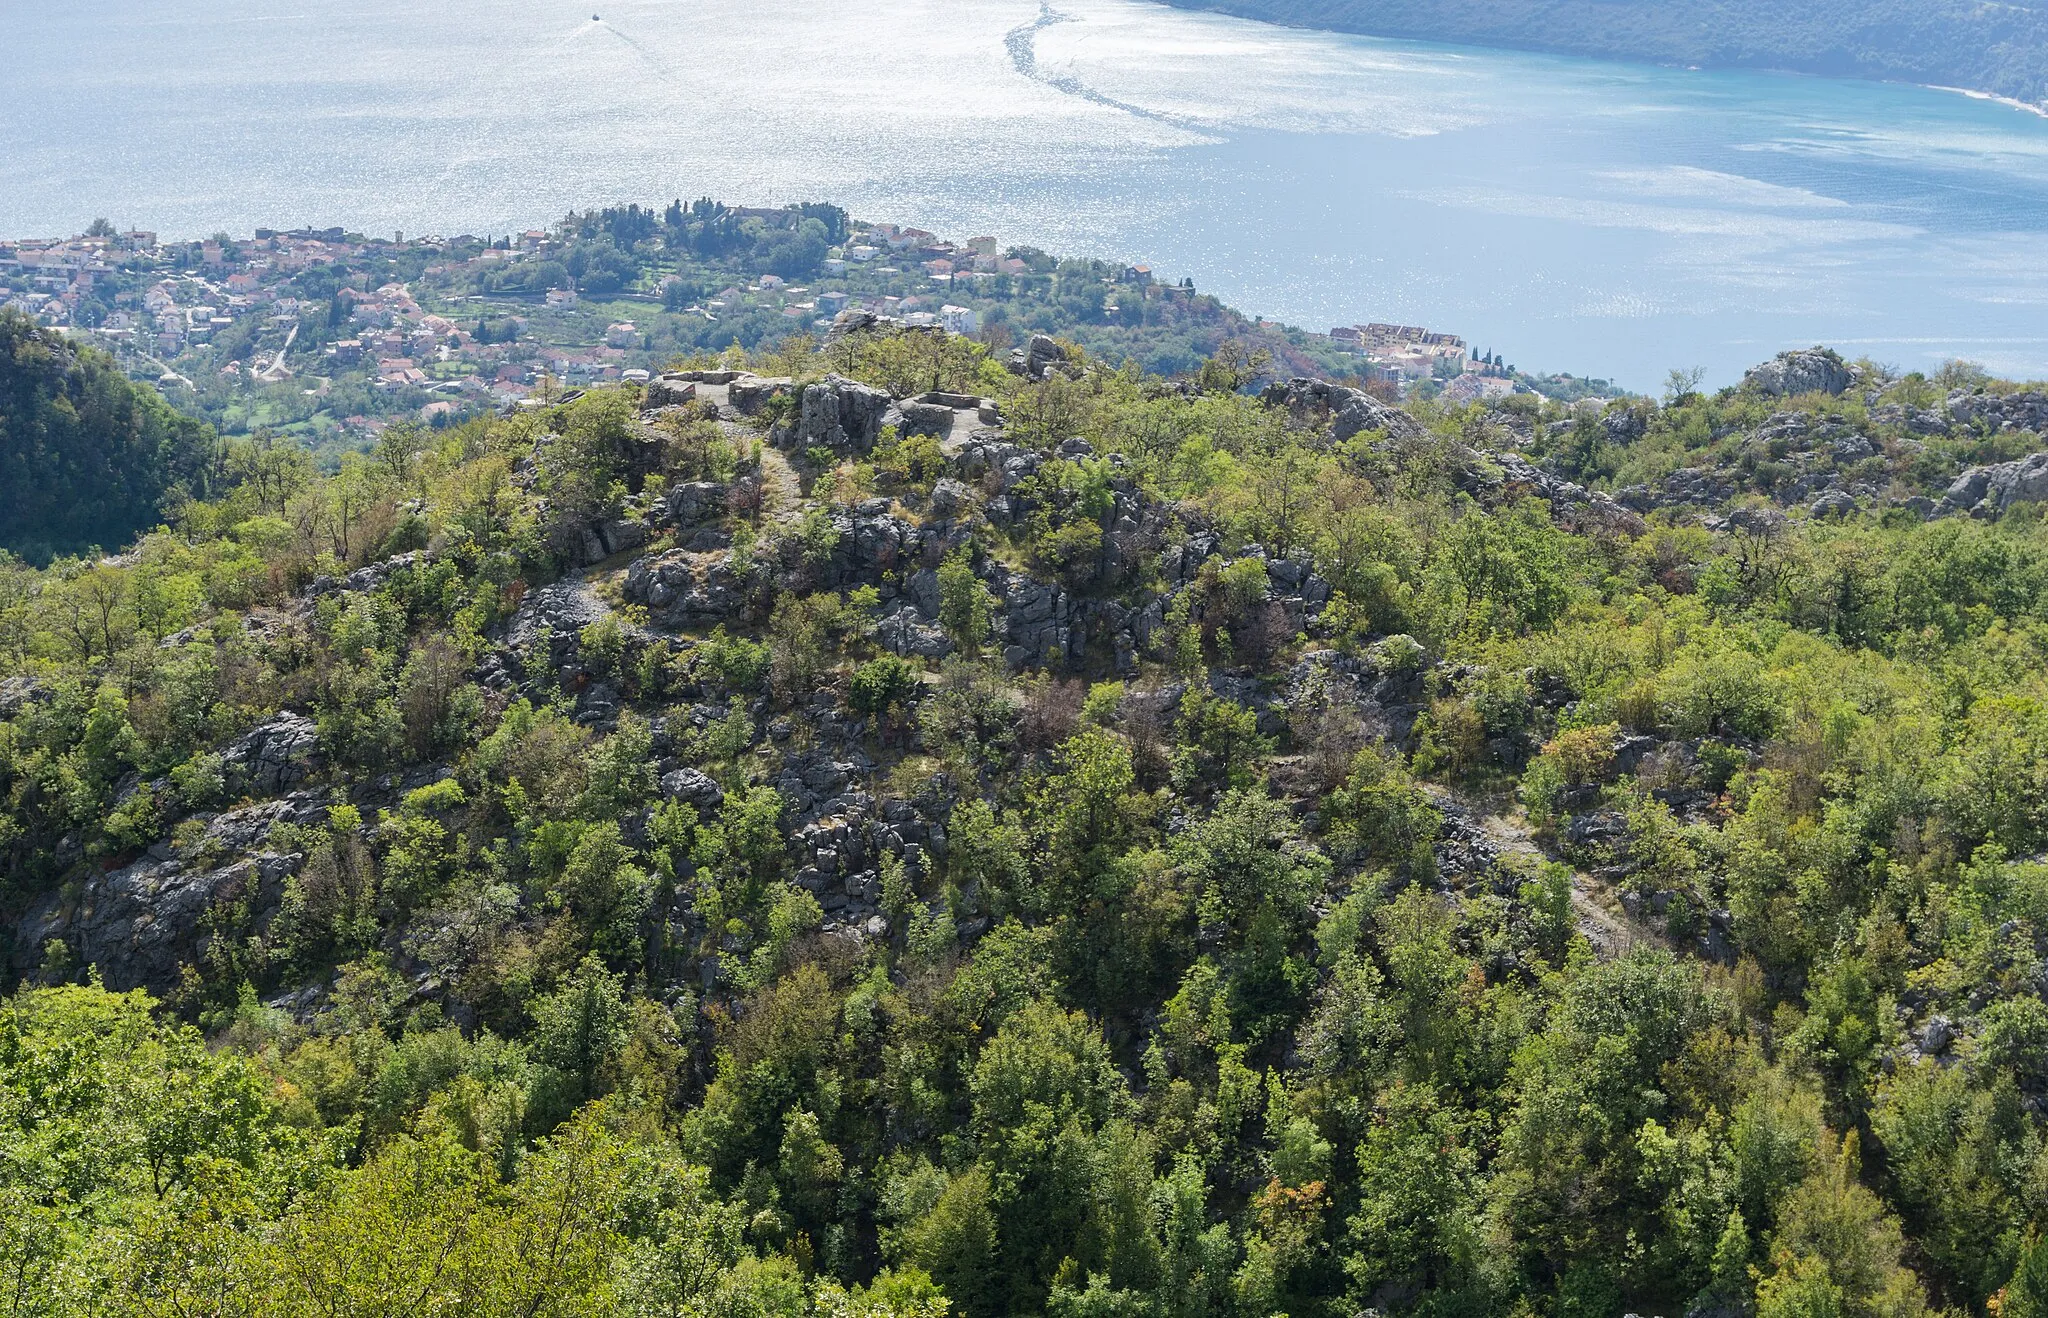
[[1998, 48], [86, 456]]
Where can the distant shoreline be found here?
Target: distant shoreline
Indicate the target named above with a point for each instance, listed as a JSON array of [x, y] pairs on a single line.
[[2013, 101], [1264, 11]]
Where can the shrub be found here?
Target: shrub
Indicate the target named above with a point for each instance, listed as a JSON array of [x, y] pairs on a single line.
[[732, 661], [880, 683]]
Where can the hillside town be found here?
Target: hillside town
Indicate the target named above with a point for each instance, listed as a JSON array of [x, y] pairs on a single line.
[[331, 335]]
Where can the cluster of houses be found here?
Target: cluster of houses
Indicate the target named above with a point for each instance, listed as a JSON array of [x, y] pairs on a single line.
[[49, 280], [167, 299], [1402, 355]]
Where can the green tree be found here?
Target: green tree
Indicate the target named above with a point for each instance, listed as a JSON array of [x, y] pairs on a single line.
[[965, 605]]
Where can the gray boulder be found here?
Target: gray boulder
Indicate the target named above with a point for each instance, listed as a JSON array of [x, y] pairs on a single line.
[[1989, 491], [1834, 503], [1806, 371], [693, 786], [678, 594], [950, 498], [667, 391], [906, 633], [615, 535], [1038, 358], [995, 462], [695, 501], [921, 417]]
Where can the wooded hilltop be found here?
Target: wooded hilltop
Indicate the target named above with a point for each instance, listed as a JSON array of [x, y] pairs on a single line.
[[871, 826]]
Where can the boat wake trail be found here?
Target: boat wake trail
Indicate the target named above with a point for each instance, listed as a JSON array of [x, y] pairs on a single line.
[[652, 60], [1022, 43]]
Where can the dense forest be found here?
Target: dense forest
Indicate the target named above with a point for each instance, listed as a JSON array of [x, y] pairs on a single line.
[[869, 827], [86, 459], [1997, 48]]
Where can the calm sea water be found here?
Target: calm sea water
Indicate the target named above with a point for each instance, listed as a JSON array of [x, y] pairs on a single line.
[[1576, 215]]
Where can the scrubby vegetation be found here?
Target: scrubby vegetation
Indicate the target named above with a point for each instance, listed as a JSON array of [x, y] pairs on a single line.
[[1147, 855], [85, 457]]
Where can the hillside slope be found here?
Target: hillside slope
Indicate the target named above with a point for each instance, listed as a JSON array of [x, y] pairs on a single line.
[[1066, 843], [1996, 48], [86, 457]]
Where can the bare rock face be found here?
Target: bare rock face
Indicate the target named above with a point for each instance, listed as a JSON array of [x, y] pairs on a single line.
[[614, 535], [750, 393], [1624, 424], [681, 590], [906, 633], [274, 756], [1352, 411], [564, 608], [668, 391], [1807, 371], [695, 501], [139, 923], [1988, 491], [2026, 410], [1688, 485], [17, 693], [950, 498], [841, 414]]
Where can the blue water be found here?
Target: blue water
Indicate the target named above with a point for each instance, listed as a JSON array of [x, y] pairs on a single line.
[[1575, 215]]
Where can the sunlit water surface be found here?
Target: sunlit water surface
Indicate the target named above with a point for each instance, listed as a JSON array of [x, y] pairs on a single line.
[[1575, 215]]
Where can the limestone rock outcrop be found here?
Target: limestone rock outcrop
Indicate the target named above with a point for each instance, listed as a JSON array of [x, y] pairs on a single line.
[[1988, 491], [1351, 411], [1805, 371], [274, 756], [841, 414]]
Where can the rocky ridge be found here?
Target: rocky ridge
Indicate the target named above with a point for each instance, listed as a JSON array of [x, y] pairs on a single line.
[[150, 914]]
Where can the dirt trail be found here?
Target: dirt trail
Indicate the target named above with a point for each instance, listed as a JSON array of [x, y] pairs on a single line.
[[1600, 919], [781, 492]]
